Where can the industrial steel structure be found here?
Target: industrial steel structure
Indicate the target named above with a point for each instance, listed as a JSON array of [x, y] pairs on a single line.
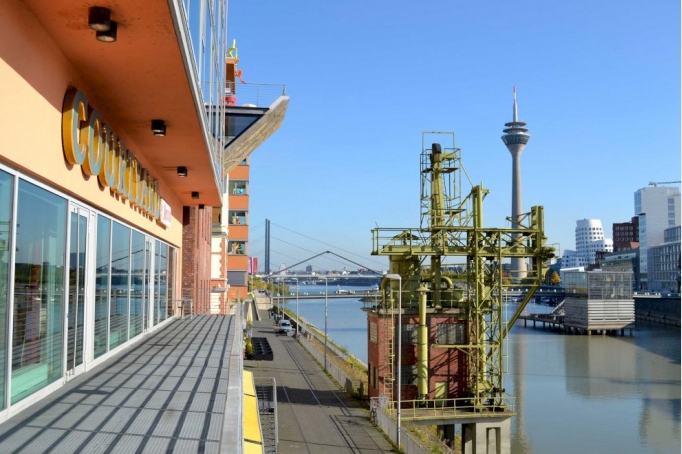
[[456, 309]]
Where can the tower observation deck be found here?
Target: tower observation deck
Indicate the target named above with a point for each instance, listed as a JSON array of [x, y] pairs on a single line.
[[515, 138]]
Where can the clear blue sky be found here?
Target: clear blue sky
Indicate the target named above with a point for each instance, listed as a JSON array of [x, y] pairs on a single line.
[[598, 83]]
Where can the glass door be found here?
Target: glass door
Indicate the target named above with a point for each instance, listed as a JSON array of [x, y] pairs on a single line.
[[79, 283], [149, 296]]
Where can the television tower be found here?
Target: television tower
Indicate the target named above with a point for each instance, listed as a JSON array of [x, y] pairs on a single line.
[[515, 138]]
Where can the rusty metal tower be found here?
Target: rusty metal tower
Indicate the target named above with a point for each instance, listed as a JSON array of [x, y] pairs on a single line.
[[452, 226]]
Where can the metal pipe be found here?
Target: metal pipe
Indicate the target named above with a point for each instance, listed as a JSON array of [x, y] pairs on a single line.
[[422, 348], [399, 278]]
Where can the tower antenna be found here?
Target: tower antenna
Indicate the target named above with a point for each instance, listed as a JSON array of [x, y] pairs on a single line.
[[515, 138]]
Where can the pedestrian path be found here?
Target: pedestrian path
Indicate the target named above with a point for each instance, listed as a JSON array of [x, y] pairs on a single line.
[[167, 393], [313, 414]]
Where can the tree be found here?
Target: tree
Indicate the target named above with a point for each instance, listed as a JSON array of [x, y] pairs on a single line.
[[555, 279]]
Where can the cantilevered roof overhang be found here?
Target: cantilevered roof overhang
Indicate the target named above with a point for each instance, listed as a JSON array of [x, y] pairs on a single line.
[[252, 127], [146, 74]]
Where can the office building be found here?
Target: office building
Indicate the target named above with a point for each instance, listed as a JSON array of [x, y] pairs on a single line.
[[664, 261], [657, 208], [626, 235]]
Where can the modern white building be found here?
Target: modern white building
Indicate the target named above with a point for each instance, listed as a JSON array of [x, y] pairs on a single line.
[[571, 259], [658, 208], [589, 238]]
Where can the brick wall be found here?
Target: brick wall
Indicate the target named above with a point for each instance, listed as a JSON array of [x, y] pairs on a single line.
[[445, 365], [196, 256]]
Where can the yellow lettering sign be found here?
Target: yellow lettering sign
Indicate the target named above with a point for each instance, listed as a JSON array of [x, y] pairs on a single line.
[[88, 142]]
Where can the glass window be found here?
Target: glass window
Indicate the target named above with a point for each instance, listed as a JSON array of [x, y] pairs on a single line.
[[450, 333], [409, 334], [170, 278], [102, 284], [160, 287], [137, 287], [237, 278], [76, 297], [6, 190], [408, 374], [236, 247], [147, 281], [120, 285], [238, 187], [37, 338], [237, 217]]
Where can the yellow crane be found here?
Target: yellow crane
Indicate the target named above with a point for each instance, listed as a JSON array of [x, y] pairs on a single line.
[[656, 183]]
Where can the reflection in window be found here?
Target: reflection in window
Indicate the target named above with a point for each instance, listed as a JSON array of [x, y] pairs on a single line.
[[450, 333], [76, 298], [170, 278], [37, 337], [237, 247], [160, 287], [237, 187], [120, 285], [6, 184], [237, 217], [137, 288], [147, 282], [102, 284]]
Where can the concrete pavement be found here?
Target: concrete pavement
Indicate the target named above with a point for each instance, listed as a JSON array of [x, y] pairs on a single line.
[[314, 415]]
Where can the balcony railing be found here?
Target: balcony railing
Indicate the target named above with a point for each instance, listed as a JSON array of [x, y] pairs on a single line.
[[253, 94]]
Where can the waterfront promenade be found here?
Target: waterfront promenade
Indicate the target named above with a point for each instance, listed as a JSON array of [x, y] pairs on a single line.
[[179, 390], [314, 415]]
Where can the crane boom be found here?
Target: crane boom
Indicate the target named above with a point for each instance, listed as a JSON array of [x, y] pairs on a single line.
[[656, 183]]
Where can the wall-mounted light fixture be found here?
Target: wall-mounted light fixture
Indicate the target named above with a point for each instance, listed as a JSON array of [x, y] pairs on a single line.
[[159, 127], [182, 171], [201, 206], [108, 36], [99, 18], [195, 195]]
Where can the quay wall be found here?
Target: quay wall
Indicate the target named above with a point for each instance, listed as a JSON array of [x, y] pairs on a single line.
[[661, 310]]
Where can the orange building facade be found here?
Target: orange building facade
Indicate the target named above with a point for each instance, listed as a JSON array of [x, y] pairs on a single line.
[[105, 157]]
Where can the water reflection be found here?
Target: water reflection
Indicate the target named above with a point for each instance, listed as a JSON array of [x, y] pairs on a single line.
[[574, 393], [596, 393]]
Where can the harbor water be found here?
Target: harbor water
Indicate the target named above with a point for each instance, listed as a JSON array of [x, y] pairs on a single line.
[[574, 393]]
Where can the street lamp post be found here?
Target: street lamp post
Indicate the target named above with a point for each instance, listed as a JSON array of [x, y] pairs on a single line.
[[400, 348], [279, 300], [325, 322], [298, 325]]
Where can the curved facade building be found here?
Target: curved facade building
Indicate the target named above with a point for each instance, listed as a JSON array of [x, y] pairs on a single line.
[[589, 238]]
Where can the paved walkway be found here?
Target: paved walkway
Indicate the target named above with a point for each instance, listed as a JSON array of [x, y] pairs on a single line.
[[314, 415], [165, 394]]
